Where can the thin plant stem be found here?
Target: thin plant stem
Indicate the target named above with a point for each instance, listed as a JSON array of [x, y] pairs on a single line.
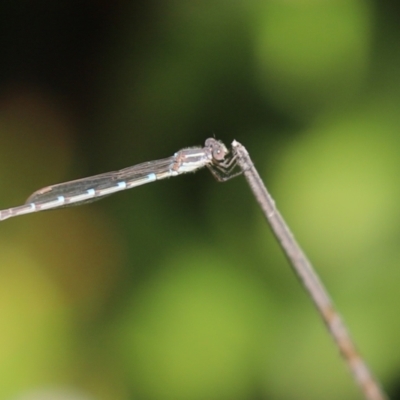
[[308, 277]]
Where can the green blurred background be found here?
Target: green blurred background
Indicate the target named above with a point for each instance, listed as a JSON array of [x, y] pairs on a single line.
[[177, 290]]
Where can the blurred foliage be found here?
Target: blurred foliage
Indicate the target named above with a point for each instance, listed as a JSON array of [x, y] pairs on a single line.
[[177, 290]]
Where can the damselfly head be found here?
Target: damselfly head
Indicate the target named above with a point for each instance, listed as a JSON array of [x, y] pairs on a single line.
[[218, 149]]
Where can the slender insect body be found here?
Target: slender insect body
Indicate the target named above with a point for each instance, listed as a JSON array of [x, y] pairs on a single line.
[[89, 189]]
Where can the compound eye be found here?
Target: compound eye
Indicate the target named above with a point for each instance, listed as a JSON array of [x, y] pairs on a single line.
[[217, 148], [219, 152]]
